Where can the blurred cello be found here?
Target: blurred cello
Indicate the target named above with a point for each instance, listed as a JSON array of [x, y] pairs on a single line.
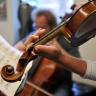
[[43, 78]]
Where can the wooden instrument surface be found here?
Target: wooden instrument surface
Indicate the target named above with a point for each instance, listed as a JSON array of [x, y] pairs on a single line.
[[46, 76]]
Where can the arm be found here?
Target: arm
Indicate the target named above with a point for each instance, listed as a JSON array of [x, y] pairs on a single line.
[[83, 68], [73, 64]]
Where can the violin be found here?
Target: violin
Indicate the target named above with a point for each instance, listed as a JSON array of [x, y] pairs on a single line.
[[43, 79], [77, 30], [68, 15]]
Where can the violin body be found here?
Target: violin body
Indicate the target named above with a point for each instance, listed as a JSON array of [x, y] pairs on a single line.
[[46, 76], [82, 25]]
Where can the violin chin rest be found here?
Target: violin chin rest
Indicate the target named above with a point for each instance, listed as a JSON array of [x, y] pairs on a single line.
[[85, 31]]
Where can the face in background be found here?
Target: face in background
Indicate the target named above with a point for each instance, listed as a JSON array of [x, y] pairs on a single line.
[[41, 22]]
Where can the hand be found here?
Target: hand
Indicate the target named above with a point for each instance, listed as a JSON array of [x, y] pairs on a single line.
[[69, 62], [51, 52], [30, 39]]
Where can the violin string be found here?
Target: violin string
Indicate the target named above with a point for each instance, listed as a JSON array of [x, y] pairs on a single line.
[[53, 30], [39, 89]]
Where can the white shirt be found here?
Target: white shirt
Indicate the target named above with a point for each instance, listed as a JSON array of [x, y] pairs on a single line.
[[91, 70]]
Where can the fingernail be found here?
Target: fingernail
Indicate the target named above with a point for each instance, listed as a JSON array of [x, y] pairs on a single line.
[[43, 29], [40, 29], [36, 48], [37, 36]]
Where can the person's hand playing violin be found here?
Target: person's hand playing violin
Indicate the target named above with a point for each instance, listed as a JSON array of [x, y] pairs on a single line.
[[54, 53], [23, 44], [69, 62]]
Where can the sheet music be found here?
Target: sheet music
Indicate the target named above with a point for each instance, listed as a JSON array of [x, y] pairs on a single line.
[[9, 55]]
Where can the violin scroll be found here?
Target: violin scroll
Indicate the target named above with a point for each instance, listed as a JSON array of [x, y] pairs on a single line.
[[8, 73]]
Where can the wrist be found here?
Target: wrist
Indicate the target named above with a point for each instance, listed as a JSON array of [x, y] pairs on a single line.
[[63, 58]]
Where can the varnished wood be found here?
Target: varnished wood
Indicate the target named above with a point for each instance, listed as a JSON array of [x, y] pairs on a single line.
[[44, 75], [81, 14]]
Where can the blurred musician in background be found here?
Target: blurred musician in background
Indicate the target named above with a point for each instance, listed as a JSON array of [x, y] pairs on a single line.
[[44, 19]]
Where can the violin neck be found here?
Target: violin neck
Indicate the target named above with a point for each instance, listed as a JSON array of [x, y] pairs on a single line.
[[50, 35]]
